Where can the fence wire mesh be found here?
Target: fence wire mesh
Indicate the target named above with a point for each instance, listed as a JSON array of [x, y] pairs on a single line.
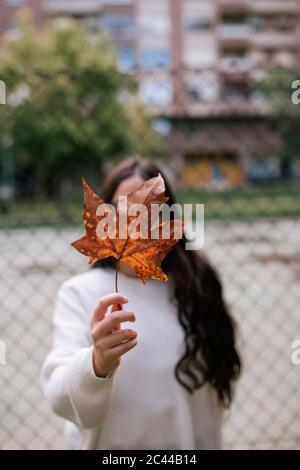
[[252, 236]]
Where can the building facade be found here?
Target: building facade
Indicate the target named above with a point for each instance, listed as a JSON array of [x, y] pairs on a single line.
[[9, 8]]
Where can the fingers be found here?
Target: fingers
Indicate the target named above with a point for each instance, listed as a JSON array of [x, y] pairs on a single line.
[[121, 349], [111, 322], [104, 303], [115, 339], [116, 307]]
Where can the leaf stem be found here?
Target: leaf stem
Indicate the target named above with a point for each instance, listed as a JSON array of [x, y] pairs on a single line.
[[118, 264], [116, 275]]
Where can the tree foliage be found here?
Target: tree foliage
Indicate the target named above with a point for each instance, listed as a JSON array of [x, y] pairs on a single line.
[[279, 88], [65, 115]]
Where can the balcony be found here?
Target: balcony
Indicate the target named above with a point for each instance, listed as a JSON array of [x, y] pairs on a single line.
[[234, 5], [259, 6], [117, 3], [274, 39], [82, 7], [234, 33], [72, 8], [235, 65], [274, 6]]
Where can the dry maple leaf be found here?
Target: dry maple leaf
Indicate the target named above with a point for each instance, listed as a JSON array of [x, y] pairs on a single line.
[[144, 255]]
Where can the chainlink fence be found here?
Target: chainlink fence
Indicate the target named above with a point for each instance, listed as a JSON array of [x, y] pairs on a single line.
[[252, 234]]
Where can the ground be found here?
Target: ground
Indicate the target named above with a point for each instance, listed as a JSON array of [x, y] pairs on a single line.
[[260, 266]]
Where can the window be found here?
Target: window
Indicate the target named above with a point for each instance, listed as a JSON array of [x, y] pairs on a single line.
[[202, 87], [270, 54], [193, 23], [12, 28], [118, 24], [258, 23], [234, 52], [191, 127], [154, 25], [126, 58], [233, 19], [162, 126], [155, 58], [156, 91], [263, 168], [199, 52], [236, 89], [234, 26], [285, 23]]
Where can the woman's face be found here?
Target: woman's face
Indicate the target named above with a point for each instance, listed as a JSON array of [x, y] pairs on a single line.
[[127, 186]]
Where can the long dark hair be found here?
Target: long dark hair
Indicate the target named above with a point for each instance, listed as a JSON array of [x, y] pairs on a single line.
[[210, 351]]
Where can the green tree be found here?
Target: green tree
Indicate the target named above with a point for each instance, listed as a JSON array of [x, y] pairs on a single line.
[[145, 141], [64, 116], [285, 112]]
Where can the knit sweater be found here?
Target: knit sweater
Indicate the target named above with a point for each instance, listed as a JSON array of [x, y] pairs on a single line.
[[142, 405]]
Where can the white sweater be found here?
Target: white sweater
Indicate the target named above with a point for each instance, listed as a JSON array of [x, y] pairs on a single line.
[[142, 406]]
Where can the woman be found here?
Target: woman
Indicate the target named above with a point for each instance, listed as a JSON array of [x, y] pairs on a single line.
[[160, 385]]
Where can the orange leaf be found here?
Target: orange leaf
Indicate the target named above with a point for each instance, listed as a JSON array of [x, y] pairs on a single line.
[[144, 255]]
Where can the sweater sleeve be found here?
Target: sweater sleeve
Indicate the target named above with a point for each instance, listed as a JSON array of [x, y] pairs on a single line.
[[67, 377], [207, 419]]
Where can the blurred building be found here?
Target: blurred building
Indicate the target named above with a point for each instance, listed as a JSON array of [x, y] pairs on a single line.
[[196, 62], [8, 10]]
